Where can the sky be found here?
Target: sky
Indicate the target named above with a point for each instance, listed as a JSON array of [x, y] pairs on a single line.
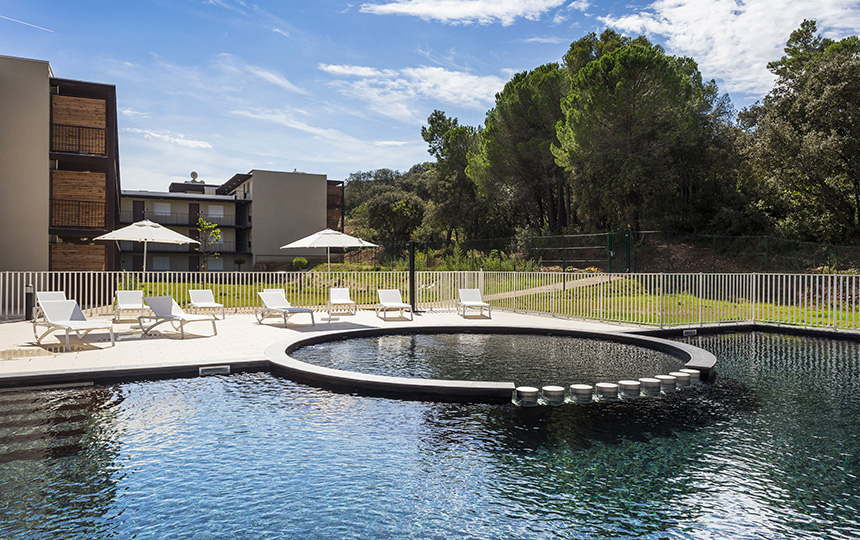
[[334, 87]]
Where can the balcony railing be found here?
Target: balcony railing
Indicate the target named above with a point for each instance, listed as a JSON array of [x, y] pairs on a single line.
[[77, 214], [178, 218], [154, 247], [78, 139]]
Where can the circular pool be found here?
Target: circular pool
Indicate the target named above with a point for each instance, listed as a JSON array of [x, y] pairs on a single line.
[[450, 364]]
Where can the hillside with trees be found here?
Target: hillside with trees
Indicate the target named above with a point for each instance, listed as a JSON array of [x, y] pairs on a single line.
[[623, 136]]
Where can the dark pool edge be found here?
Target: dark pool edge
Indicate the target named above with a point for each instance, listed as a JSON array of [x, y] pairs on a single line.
[[446, 390], [737, 328], [115, 374]]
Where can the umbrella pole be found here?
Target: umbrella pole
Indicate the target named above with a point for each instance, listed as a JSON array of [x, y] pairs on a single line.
[[144, 261], [328, 256]]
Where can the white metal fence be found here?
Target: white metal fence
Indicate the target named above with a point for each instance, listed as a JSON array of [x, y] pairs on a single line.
[[646, 299]]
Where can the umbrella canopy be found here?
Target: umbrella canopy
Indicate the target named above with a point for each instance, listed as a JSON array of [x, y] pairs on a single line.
[[146, 231], [328, 238]]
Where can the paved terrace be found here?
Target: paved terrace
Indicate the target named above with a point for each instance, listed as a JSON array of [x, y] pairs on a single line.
[[241, 340]]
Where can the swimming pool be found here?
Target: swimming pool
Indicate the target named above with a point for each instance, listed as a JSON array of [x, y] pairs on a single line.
[[525, 359], [769, 450]]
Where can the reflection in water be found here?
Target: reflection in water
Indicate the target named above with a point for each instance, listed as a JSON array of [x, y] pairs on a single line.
[[766, 451], [56, 462], [534, 360]]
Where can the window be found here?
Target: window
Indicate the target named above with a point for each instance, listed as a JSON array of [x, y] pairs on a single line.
[[161, 263], [161, 208], [215, 264]]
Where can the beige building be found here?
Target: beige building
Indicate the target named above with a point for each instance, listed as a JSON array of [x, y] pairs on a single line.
[[59, 169], [257, 213], [60, 184]]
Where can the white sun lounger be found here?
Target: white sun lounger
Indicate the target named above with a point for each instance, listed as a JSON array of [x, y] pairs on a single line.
[[275, 304], [339, 297], [46, 296], [204, 299], [128, 301], [165, 309], [471, 299], [67, 315], [391, 300]]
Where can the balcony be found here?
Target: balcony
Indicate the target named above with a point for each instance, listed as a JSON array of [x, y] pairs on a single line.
[[78, 139], [154, 247], [178, 218], [71, 214]]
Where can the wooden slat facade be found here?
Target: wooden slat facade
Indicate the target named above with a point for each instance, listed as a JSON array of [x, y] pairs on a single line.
[[77, 111], [79, 125], [78, 186], [77, 257]]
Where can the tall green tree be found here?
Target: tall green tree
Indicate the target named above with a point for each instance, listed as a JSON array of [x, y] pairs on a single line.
[[803, 139], [626, 118], [590, 47], [395, 214], [454, 196], [514, 168]]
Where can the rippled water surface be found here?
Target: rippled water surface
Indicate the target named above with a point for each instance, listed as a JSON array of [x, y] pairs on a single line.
[[535, 360], [768, 451]]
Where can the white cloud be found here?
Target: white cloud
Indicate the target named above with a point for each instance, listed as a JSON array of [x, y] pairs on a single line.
[[289, 119], [390, 143], [274, 78], [554, 40], [733, 40], [505, 12], [397, 93], [357, 71], [580, 5], [131, 113], [178, 139], [234, 65]]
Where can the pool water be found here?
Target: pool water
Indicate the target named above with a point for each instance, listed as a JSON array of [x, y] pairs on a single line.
[[533, 360], [769, 450]]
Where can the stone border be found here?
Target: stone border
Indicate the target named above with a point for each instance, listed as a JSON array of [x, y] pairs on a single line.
[[447, 390]]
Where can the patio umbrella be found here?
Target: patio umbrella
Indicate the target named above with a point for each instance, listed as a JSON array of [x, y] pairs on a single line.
[[328, 238], [146, 231]]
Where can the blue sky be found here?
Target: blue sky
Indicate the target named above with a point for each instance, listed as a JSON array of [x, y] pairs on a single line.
[[333, 87]]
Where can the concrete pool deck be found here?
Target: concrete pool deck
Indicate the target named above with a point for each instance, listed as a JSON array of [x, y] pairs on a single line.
[[241, 343]]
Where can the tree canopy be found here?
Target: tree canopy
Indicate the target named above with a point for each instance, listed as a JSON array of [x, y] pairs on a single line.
[[622, 135], [804, 137]]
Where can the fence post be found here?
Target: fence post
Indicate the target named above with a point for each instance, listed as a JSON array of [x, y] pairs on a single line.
[[701, 296], [627, 246], [662, 299], [411, 245]]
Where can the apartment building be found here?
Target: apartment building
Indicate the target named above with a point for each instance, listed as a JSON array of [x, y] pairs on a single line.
[[59, 169], [60, 185], [257, 212]]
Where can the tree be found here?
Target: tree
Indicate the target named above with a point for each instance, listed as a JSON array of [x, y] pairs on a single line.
[[455, 206], [514, 167], [627, 117], [590, 48], [803, 139], [395, 214], [208, 234]]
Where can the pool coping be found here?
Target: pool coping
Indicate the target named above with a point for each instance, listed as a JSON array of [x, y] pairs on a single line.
[[278, 355]]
